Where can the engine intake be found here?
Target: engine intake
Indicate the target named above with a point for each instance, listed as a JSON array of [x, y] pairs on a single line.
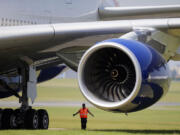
[[109, 74], [122, 75]]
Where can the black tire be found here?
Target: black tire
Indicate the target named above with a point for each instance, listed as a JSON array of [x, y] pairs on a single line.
[[31, 119], [14, 119], [43, 119], [7, 115]]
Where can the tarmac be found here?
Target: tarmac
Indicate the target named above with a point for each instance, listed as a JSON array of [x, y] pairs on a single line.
[[7, 104]]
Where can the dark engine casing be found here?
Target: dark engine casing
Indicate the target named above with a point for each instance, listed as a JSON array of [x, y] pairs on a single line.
[[49, 73], [123, 75]]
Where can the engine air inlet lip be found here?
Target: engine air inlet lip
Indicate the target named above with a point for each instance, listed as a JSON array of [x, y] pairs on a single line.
[[114, 74]]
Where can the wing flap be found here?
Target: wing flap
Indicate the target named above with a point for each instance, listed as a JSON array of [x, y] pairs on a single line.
[[70, 31]]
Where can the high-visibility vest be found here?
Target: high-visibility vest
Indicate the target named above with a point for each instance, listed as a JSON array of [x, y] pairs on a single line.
[[83, 113]]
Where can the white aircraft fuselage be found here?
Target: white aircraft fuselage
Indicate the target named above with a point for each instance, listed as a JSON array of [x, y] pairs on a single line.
[[25, 12]]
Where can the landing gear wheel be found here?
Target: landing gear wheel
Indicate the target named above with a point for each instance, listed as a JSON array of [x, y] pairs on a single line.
[[31, 119], [6, 120], [43, 119], [15, 118]]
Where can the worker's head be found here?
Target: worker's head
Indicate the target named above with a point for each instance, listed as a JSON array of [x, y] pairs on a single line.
[[83, 105]]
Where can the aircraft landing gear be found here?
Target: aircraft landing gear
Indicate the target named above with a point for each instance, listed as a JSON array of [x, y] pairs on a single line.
[[25, 117], [43, 119], [36, 119], [29, 119]]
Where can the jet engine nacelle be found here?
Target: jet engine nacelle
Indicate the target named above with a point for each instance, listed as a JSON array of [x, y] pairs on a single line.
[[123, 75], [49, 73]]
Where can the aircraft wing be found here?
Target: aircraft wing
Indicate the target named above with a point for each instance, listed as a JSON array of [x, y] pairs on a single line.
[[19, 41], [109, 12]]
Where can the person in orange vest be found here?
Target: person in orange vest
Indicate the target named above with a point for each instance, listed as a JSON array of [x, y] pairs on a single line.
[[83, 115]]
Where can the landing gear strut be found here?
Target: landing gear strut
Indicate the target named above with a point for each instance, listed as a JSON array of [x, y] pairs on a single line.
[[25, 117]]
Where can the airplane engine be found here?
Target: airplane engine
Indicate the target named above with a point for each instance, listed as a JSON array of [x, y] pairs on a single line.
[[123, 75], [49, 73]]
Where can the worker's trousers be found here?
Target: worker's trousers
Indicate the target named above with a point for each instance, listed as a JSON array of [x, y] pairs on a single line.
[[83, 123]]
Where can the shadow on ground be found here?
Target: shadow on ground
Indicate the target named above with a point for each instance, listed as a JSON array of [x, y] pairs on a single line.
[[153, 131]]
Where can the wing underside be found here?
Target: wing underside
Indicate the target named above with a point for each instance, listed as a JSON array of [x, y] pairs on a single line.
[[33, 41]]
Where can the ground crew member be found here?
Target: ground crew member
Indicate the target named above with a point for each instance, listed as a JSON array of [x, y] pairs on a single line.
[[83, 115]]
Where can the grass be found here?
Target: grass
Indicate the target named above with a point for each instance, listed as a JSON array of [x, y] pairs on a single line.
[[174, 93], [147, 119], [165, 120], [93, 132]]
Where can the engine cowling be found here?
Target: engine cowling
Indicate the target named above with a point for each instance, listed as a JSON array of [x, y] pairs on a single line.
[[49, 73], [123, 75]]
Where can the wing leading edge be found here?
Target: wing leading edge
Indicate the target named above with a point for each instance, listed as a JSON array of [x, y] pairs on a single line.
[[57, 33]]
